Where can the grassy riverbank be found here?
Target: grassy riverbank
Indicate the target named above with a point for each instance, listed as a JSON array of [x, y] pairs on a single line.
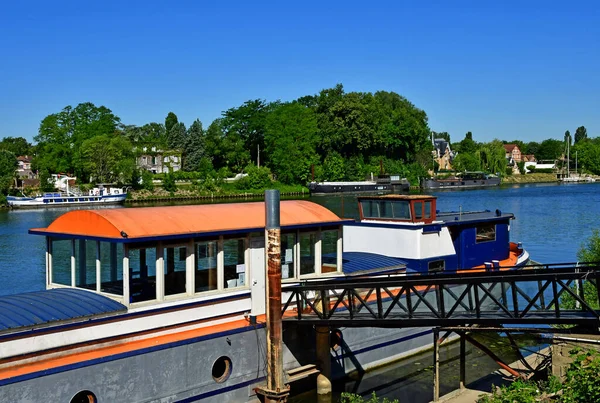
[[530, 178], [225, 191]]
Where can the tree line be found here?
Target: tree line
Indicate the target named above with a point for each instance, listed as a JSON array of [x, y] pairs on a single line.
[[332, 135]]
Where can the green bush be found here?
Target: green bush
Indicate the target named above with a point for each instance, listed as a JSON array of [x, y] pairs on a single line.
[[521, 166], [147, 180], [354, 398], [509, 171], [581, 385], [169, 183], [258, 178]]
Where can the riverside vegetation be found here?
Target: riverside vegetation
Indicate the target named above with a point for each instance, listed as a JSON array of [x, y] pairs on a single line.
[[333, 135]]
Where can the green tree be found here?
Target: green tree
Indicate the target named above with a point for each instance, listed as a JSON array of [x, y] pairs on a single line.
[[333, 167], [466, 145], [580, 134], [177, 137], [568, 138], [257, 178], [62, 134], [246, 123], [532, 148], [169, 183], [466, 162], [194, 146], [550, 150], [46, 184], [492, 157], [8, 165], [108, 158], [16, 145], [291, 142], [170, 121]]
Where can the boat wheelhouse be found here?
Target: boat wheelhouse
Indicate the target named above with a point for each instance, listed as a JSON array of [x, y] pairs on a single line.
[[410, 228], [167, 303]]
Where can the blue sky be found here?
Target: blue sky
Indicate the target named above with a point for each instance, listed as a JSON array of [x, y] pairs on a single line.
[[525, 70]]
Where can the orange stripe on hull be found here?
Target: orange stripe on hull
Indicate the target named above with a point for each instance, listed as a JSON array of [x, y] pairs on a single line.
[[70, 358]]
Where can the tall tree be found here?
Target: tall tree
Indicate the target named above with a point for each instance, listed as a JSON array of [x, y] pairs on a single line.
[[16, 145], [568, 137], [61, 135], [550, 149], [170, 121], [108, 158], [291, 138], [467, 145], [247, 123], [580, 134], [176, 137], [492, 157], [194, 146], [8, 165]]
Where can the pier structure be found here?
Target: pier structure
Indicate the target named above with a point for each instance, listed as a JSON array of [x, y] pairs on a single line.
[[493, 299]]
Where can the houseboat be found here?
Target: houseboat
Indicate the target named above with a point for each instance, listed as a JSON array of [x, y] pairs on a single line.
[[102, 194], [381, 184], [167, 303], [461, 180]]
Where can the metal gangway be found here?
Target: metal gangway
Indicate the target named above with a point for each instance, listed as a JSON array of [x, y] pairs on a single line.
[[550, 294]]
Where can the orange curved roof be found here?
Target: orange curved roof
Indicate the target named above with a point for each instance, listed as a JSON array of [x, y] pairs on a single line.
[[147, 222]]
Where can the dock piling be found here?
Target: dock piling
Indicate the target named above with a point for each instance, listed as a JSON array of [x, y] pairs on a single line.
[[323, 360], [276, 390]]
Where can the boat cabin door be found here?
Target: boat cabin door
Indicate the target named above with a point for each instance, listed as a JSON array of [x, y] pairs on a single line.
[[258, 270]]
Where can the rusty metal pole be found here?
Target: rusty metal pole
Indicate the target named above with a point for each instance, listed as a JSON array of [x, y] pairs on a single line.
[[276, 390]]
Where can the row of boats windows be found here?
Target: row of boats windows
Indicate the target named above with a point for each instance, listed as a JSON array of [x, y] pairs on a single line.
[[71, 199], [395, 209], [199, 266]]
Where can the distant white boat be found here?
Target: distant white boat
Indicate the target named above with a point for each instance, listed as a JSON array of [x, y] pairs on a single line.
[[101, 194]]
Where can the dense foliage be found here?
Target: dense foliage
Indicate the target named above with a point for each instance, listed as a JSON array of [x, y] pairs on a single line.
[[581, 384], [331, 135]]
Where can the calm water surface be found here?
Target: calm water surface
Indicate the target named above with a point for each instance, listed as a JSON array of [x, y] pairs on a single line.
[[552, 221]]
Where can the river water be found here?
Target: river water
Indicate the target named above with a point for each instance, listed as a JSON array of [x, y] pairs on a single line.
[[552, 221]]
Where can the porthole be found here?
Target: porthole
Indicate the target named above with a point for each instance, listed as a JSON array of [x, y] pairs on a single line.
[[335, 339], [85, 396], [221, 369]]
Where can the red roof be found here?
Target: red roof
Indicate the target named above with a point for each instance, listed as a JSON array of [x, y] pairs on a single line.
[[151, 222], [510, 147]]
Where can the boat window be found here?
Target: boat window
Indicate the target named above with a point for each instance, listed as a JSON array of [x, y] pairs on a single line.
[[142, 277], [307, 253], [288, 243], [234, 262], [401, 209], [418, 210], [174, 269], [427, 209], [329, 241], [206, 266], [486, 233], [385, 209], [61, 261], [111, 268], [84, 396], [436, 266], [370, 208], [85, 264]]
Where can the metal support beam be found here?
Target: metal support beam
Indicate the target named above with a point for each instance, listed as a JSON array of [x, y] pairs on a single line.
[[436, 365], [463, 358]]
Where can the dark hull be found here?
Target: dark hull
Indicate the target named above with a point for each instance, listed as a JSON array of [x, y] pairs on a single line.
[[356, 187], [458, 183]]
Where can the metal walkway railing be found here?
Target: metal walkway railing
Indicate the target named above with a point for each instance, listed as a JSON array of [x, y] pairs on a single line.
[[543, 294]]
